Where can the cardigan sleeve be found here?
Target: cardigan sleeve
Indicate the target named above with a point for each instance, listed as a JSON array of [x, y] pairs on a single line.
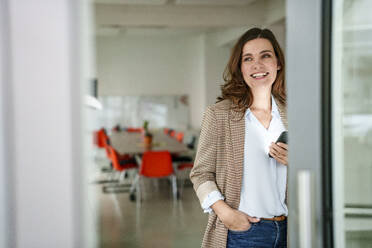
[[203, 174]]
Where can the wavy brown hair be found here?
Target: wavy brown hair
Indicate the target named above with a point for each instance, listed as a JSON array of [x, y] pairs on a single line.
[[235, 88]]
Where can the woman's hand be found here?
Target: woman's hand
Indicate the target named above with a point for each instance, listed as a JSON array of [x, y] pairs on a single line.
[[233, 219], [279, 151], [238, 221]]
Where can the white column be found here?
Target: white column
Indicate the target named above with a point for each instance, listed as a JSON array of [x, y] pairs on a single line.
[[46, 126]]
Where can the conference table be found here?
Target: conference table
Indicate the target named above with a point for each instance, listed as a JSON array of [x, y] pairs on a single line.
[[132, 143]]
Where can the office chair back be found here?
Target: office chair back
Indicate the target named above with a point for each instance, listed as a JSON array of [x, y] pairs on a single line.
[[156, 164], [179, 136], [100, 136], [134, 130], [117, 163], [172, 133]]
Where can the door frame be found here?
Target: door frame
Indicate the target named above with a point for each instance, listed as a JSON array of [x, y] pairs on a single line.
[[309, 115], [6, 225]]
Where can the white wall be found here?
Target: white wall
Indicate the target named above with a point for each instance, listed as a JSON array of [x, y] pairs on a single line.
[[198, 89], [216, 58], [279, 30], [148, 65], [153, 65]]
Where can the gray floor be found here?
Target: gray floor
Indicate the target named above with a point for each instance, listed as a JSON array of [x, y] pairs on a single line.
[[158, 222]]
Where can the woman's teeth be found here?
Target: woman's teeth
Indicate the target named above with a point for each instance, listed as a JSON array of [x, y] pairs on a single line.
[[259, 75]]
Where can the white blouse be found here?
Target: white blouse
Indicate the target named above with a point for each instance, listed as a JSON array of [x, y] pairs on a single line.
[[264, 179]]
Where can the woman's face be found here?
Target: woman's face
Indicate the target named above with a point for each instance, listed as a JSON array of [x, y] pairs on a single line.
[[259, 64]]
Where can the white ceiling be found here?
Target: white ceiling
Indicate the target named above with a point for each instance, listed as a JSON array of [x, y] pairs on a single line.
[[178, 2], [168, 17], [215, 2], [135, 2]]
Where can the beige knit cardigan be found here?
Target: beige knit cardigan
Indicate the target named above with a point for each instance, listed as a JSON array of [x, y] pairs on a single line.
[[219, 163]]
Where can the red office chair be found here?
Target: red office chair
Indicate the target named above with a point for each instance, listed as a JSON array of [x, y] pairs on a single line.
[[120, 166], [172, 133], [126, 162], [99, 137], [101, 140], [154, 164], [107, 145], [134, 130], [180, 157], [166, 130], [179, 136], [121, 157], [116, 128]]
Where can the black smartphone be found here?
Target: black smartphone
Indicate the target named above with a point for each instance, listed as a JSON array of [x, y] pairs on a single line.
[[283, 138]]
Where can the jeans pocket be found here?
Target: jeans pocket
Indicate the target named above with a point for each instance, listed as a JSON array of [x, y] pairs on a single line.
[[245, 231]]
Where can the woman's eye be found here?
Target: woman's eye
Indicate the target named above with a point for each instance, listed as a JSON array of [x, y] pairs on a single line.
[[266, 56], [247, 59]]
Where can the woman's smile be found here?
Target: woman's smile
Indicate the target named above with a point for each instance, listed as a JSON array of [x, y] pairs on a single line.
[[259, 75]]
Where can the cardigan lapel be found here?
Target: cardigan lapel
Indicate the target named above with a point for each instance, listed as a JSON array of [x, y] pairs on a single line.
[[283, 116], [283, 113], [237, 134]]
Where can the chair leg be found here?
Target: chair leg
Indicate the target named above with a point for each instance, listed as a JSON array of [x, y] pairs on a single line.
[[133, 188], [122, 176], [174, 186], [182, 182], [138, 189]]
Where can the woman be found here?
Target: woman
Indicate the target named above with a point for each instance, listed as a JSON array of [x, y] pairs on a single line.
[[242, 188]]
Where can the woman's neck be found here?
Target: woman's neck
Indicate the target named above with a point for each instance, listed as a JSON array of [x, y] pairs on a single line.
[[261, 101]]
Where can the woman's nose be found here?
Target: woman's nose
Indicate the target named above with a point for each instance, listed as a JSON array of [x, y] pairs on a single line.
[[257, 65]]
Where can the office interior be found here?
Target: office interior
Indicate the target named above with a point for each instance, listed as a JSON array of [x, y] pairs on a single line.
[[70, 68]]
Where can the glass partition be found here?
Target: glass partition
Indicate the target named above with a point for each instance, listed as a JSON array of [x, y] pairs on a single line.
[[352, 122]]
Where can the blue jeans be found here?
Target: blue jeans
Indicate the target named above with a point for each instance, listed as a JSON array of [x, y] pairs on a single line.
[[265, 233]]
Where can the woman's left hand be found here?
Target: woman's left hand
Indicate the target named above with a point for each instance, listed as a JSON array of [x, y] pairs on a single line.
[[279, 152]]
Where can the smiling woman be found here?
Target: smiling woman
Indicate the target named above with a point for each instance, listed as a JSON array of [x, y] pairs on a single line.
[[242, 188], [266, 54]]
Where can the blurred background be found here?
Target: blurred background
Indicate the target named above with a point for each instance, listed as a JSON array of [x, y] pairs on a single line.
[[162, 62], [94, 92]]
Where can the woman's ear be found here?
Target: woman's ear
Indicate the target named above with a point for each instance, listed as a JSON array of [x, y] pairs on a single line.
[[279, 67]]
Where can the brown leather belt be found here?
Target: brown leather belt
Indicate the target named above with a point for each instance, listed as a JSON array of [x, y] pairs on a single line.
[[276, 218]]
